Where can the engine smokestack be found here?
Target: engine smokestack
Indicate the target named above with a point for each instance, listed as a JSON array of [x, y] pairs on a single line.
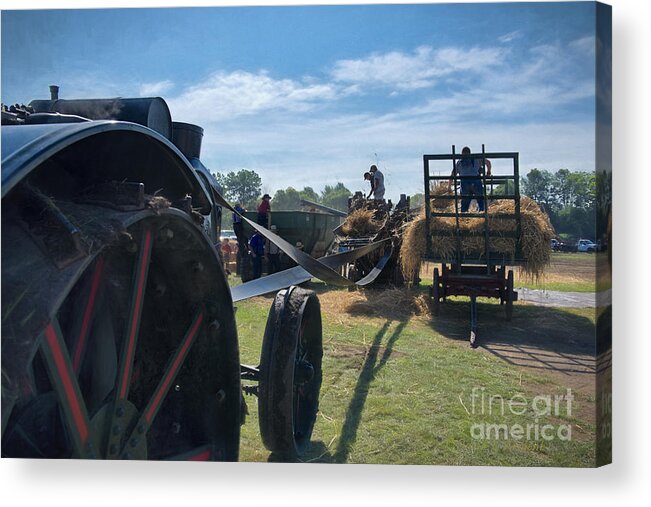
[[54, 92]]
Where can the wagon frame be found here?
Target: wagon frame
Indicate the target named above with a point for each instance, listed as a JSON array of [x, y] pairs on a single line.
[[474, 274]]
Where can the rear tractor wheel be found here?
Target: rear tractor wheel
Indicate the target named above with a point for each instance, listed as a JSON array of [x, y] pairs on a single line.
[[139, 359]]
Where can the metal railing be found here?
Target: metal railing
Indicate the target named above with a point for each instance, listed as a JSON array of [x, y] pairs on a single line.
[[489, 258]]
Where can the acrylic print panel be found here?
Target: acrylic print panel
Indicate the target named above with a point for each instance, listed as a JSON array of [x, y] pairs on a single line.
[[340, 234]]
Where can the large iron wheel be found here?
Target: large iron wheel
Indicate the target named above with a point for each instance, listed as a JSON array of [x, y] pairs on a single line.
[[140, 358], [290, 372]]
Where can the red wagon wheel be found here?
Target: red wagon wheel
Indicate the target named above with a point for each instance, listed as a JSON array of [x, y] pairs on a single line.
[[140, 359]]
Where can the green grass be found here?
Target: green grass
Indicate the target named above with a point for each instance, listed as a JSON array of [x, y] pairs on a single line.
[[398, 390]]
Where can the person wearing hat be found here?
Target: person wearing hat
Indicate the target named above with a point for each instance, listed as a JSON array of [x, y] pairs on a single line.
[[274, 254], [264, 208]]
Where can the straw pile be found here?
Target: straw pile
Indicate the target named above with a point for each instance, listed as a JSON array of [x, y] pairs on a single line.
[[361, 223], [536, 234], [387, 303]]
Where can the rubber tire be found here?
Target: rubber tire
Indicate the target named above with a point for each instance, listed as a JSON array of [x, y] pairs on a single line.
[[293, 325]]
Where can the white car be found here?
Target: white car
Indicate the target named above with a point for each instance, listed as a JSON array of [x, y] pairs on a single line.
[[585, 245], [230, 235]]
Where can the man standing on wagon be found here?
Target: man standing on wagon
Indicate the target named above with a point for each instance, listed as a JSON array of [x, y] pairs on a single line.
[[264, 208], [377, 183], [471, 188]]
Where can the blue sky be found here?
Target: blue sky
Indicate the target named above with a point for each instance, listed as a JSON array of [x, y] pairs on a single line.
[[313, 95]]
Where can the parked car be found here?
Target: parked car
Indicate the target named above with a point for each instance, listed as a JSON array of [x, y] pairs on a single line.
[[230, 235], [585, 245], [563, 246]]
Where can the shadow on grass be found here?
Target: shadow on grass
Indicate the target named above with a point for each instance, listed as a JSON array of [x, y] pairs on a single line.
[[537, 337], [376, 357]]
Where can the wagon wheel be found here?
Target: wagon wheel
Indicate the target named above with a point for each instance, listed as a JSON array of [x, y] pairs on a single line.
[[290, 372], [509, 296], [436, 295], [140, 359]]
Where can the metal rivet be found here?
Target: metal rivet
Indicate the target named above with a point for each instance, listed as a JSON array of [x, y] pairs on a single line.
[[119, 412], [177, 388], [221, 396]]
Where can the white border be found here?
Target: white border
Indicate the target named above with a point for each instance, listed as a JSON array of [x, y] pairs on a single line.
[[71, 483]]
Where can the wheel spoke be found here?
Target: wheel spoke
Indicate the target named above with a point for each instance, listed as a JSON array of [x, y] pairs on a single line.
[[174, 366], [65, 384], [84, 326], [167, 378], [133, 324], [203, 453]]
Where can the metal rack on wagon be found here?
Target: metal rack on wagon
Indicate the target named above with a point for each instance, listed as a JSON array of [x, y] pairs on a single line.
[[482, 273]]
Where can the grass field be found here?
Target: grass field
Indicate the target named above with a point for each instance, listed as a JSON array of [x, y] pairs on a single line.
[[402, 387]]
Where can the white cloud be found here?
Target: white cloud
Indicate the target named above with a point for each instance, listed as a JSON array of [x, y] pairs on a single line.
[[228, 95], [298, 132], [155, 89], [420, 69], [508, 37]]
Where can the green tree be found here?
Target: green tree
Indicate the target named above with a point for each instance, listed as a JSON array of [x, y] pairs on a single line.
[[538, 184], [336, 197], [243, 186], [417, 200], [309, 194], [288, 199]]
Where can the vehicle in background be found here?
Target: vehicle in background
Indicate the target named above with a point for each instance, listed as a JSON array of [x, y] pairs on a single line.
[[229, 235], [563, 246], [586, 245]]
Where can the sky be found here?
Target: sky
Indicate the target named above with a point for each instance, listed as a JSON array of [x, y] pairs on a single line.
[[313, 95]]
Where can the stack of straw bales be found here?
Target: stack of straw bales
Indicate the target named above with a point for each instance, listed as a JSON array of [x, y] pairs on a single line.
[[361, 223], [536, 234]]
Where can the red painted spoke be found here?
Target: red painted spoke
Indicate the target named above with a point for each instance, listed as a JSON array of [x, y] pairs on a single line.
[[82, 338], [65, 384], [174, 365], [203, 453], [173, 368], [133, 324]]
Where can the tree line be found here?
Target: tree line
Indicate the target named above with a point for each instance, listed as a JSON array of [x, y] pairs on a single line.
[[568, 197], [245, 186]]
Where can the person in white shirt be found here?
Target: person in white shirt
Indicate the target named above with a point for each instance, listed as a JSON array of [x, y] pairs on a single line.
[[377, 183]]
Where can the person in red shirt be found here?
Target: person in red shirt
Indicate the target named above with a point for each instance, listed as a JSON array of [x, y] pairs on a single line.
[[263, 211]]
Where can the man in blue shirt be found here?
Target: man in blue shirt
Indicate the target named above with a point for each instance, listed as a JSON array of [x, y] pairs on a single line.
[[256, 244], [472, 188]]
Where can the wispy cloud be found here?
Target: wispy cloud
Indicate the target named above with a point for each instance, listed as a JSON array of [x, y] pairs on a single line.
[[508, 37], [420, 69], [280, 127], [155, 89], [228, 95]]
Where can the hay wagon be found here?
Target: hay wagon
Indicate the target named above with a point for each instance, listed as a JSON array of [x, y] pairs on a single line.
[[473, 267]]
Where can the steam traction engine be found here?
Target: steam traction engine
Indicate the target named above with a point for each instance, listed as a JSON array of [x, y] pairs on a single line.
[[118, 328]]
